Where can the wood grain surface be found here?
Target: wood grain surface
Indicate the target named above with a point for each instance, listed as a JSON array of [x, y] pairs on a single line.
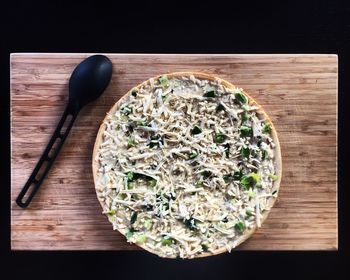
[[299, 92]]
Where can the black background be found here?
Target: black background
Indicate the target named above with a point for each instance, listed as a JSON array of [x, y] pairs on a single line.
[[176, 27]]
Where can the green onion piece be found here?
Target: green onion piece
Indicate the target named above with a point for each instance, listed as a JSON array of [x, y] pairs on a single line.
[[111, 212], [245, 116], [167, 241], [130, 176], [198, 184], [164, 81], [245, 152], [264, 154], [220, 107], [131, 185], [251, 194], [141, 123], [248, 213], [141, 239], [152, 183], [273, 177], [196, 130], [127, 110], [227, 178], [131, 142], [250, 180], [148, 224], [241, 97], [237, 175], [192, 155], [210, 92], [133, 218], [246, 130], [255, 176], [220, 138], [240, 227], [266, 128]]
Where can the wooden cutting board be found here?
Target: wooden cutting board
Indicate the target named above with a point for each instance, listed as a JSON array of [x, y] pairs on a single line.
[[299, 92]]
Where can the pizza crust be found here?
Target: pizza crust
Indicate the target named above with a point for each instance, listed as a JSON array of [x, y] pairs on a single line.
[[277, 150]]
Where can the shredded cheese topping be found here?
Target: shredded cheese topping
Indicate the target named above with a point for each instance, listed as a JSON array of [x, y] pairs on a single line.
[[186, 166]]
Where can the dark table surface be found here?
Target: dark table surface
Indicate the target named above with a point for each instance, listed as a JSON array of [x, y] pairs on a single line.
[[176, 27]]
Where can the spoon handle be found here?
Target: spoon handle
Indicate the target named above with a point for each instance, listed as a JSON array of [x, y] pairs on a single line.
[[48, 157]]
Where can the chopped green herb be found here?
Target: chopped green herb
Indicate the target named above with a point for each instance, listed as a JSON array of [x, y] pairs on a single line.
[[248, 213], [266, 128], [122, 196], [131, 142], [241, 97], [164, 81], [250, 180], [210, 92], [164, 97], [273, 177], [196, 130], [204, 247], [191, 224], [245, 152], [147, 207], [227, 149], [237, 175], [246, 131], [220, 138], [264, 154], [141, 239], [199, 184], [193, 155], [152, 183], [206, 174], [133, 218], [240, 227], [134, 93], [220, 107], [167, 241], [129, 234]]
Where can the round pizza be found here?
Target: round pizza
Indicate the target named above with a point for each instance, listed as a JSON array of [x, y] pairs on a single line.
[[186, 165]]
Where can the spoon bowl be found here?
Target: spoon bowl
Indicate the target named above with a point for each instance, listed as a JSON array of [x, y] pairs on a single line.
[[89, 80]]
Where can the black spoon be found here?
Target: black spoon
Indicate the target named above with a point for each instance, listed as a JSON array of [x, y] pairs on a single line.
[[87, 82]]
